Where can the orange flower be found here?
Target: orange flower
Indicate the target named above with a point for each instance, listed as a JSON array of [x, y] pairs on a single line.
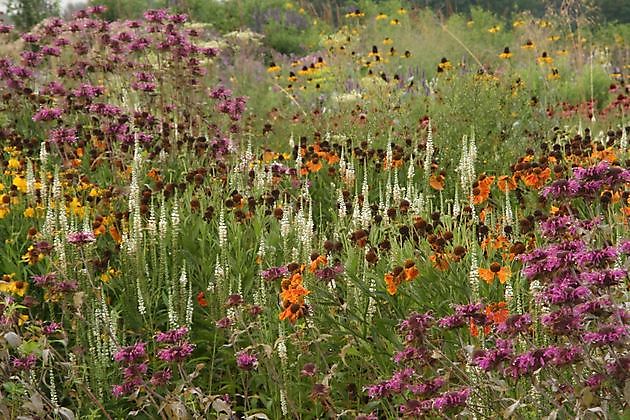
[[392, 286], [495, 270], [411, 271], [537, 177], [292, 312], [482, 191], [436, 181], [440, 261], [314, 165], [115, 234], [201, 299], [319, 261], [507, 183], [496, 243], [394, 279], [496, 314]]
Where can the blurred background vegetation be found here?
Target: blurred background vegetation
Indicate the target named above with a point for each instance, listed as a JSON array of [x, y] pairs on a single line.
[[294, 27]]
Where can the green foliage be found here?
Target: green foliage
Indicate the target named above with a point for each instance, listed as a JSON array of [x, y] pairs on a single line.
[[27, 13]]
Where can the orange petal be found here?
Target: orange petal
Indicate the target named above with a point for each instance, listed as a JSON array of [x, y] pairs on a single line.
[[486, 274]]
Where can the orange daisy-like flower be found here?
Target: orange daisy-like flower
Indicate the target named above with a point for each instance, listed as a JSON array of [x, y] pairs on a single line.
[[506, 183], [482, 191], [496, 243], [495, 271], [436, 181], [316, 262], [410, 270], [537, 177], [440, 261], [394, 279]]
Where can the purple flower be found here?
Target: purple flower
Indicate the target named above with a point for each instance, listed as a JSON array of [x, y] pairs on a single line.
[[428, 387], [246, 360], [88, 91], [274, 273], [47, 114], [172, 336], [328, 274], [81, 238], [135, 370], [234, 300], [176, 353], [607, 335], [62, 136], [563, 322], [51, 328], [452, 321], [161, 377], [309, 369], [451, 399], [224, 323], [515, 324], [24, 363], [414, 327], [131, 354], [412, 354], [415, 408]]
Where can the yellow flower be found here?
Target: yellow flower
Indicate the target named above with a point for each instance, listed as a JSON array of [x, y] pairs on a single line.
[[402, 11], [505, 54], [381, 16], [544, 58], [29, 212], [14, 164], [553, 38], [529, 45], [394, 22], [20, 183], [518, 23], [494, 29], [75, 207], [273, 68], [15, 287], [554, 74], [388, 41]]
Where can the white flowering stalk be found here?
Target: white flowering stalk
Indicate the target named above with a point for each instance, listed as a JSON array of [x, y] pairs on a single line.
[[509, 217], [43, 176], [182, 295], [473, 276], [428, 157], [623, 143], [366, 212], [222, 230], [142, 309], [371, 305], [152, 228], [411, 172], [30, 181], [54, 399], [456, 207], [341, 205], [396, 191]]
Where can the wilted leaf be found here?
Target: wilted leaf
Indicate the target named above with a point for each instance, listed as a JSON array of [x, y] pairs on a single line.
[[13, 339], [176, 410], [65, 413], [77, 300], [221, 406], [509, 412], [257, 416], [35, 404]]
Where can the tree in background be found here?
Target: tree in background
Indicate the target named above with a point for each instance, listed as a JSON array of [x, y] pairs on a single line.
[[27, 13]]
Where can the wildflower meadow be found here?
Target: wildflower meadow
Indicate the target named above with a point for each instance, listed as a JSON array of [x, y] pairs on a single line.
[[368, 211]]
